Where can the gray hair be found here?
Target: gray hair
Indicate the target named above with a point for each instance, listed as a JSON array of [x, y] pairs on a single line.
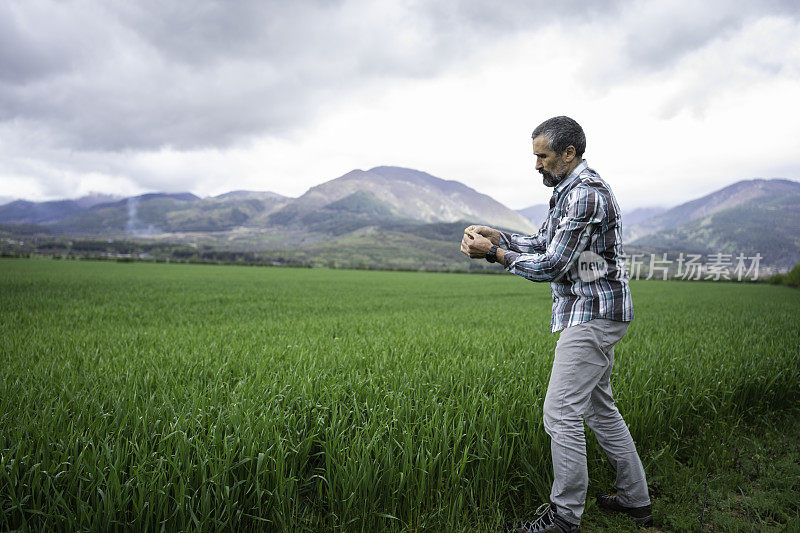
[[560, 133]]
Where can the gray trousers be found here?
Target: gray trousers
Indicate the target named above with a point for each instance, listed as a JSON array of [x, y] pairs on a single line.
[[580, 390]]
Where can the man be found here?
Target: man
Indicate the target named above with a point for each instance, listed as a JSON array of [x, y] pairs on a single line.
[[579, 251]]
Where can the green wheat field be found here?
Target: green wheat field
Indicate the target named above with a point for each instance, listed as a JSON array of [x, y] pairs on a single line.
[[192, 397]]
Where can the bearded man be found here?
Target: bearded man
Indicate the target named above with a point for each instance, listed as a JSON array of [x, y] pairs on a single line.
[[579, 251]]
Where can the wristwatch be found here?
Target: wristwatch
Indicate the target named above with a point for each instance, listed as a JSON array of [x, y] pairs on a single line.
[[491, 255]]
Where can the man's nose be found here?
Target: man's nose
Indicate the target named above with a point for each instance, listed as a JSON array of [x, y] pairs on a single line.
[[538, 164]]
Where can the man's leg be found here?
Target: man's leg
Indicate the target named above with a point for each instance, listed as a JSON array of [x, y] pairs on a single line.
[[612, 433], [580, 363]]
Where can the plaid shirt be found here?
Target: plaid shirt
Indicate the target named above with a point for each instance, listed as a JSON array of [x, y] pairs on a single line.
[[584, 217]]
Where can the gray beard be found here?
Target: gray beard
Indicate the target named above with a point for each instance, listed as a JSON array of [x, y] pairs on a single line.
[[551, 180]]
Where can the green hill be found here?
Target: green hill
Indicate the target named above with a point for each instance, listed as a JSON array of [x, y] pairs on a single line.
[[741, 193], [362, 208], [770, 227]]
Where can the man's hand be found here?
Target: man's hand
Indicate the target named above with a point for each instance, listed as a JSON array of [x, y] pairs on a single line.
[[490, 233], [474, 244]]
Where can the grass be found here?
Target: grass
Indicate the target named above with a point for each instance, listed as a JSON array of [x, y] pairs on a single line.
[[142, 396], [730, 476]]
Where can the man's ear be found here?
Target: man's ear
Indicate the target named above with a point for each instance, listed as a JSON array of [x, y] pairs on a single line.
[[568, 154]]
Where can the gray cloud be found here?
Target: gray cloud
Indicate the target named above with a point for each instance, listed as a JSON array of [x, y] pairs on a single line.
[[664, 32], [21, 57], [85, 86], [144, 75]]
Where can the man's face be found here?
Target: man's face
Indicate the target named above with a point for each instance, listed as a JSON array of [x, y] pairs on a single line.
[[550, 165]]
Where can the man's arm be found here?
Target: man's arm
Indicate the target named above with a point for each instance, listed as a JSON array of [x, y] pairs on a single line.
[[525, 243], [585, 211], [516, 242]]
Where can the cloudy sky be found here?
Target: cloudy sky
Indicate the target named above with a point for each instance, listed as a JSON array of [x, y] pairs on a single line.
[[677, 98]]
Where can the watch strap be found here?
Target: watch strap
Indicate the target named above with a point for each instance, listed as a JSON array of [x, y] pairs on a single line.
[[491, 255]]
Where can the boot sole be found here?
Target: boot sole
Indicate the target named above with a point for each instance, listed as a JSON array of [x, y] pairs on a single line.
[[646, 521]]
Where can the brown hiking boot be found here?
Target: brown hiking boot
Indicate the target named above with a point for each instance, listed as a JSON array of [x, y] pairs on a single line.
[[643, 516]]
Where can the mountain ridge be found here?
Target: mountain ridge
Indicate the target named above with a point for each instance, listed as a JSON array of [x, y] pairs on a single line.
[[729, 196], [411, 193], [383, 204], [404, 194], [771, 228], [251, 194]]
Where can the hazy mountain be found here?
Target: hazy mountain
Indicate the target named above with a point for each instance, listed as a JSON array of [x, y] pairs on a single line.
[[25, 212], [738, 194], [756, 216], [640, 215], [377, 211], [6, 199], [535, 214], [145, 214], [95, 198], [357, 199], [249, 195], [405, 194], [172, 213]]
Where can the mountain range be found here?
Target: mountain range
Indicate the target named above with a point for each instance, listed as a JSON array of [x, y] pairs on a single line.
[[400, 217], [742, 193], [748, 217], [25, 212], [357, 199]]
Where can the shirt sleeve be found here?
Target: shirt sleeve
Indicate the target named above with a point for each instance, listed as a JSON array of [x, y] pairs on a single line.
[[524, 243], [585, 211]]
